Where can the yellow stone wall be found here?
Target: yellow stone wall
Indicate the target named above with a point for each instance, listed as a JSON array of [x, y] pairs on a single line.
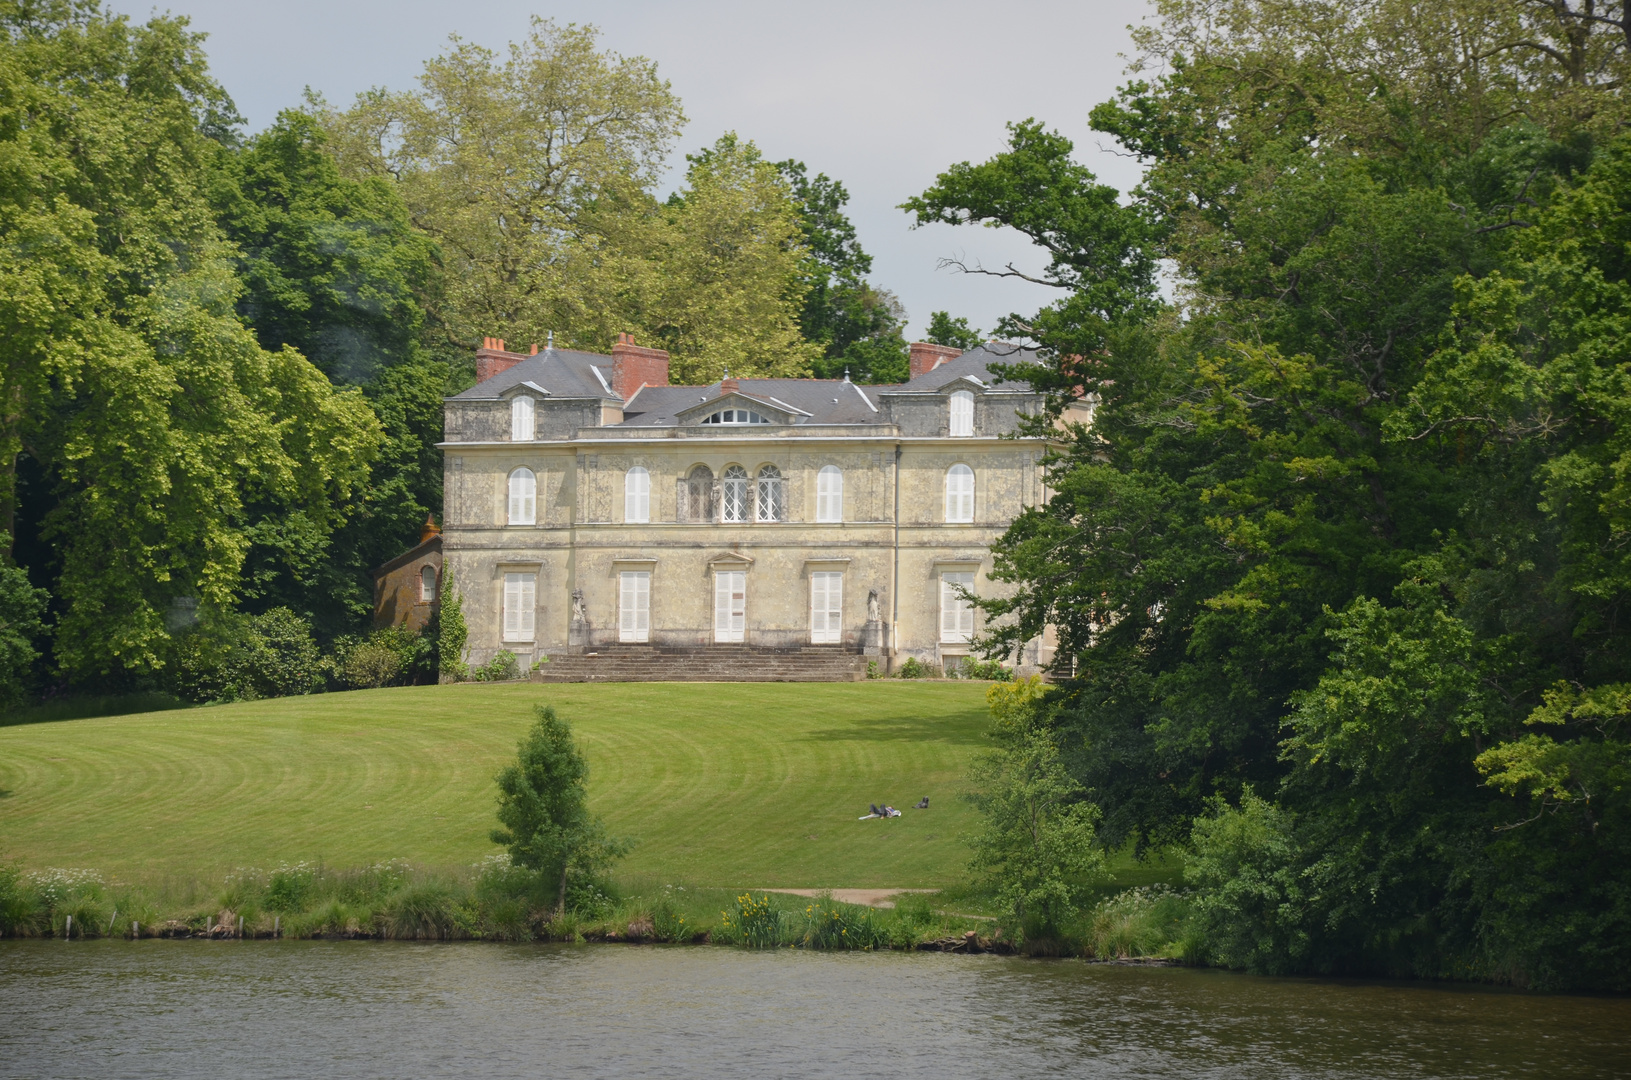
[[581, 542]]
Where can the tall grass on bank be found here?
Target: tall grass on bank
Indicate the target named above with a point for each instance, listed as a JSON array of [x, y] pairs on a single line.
[[495, 901]]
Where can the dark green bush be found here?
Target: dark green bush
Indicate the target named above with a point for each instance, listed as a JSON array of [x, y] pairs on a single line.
[[914, 668], [228, 656], [501, 668]]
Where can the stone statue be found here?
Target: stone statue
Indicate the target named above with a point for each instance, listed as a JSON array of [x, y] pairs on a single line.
[[578, 613], [872, 606]]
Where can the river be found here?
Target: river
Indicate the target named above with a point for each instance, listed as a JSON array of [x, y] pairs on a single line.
[[182, 1009]]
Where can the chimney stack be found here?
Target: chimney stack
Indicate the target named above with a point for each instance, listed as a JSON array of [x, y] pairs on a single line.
[[429, 529], [491, 359], [728, 385], [634, 367], [924, 357]]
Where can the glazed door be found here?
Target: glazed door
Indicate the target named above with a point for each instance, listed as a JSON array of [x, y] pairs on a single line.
[[730, 605], [634, 606], [826, 608]]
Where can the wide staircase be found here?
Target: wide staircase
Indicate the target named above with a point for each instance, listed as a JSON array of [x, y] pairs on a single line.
[[705, 663]]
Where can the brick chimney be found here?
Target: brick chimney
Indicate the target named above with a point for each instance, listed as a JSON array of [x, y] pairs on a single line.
[[925, 357], [634, 367], [728, 385], [491, 359]]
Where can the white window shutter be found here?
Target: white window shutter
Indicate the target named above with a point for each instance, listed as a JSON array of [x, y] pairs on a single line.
[[520, 606], [830, 494], [637, 496], [956, 613], [634, 606], [522, 419], [523, 498], [962, 413]]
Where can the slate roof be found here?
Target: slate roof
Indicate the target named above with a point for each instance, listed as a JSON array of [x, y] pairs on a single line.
[[566, 373]]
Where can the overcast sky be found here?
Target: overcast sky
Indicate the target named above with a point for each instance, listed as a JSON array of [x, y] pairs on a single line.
[[879, 95]]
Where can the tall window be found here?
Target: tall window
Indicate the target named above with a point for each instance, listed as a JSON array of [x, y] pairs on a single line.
[[637, 496], [962, 413], [735, 493], [521, 419], [730, 605], [959, 494], [523, 498], [634, 605], [771, 504], [830, 493], [826, 608], [427, 584], [956, 612], [520, 604], [697, 495]]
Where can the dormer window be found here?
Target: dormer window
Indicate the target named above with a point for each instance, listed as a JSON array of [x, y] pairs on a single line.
[[735, 416], [521, 419]]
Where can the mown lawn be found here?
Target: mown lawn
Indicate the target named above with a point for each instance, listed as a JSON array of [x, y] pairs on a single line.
[[724, 785]]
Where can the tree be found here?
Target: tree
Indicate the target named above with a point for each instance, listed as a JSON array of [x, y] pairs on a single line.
[[945, 330], [858, 326], [1036, 845], [519, 168], [333, 266], [160, 434], [21, 626], [1338, 568], [543, 804], [726, 261]]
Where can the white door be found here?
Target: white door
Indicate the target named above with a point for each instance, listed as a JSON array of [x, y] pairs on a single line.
[[826, 608], [956, 613], [634, 606], [730, 604]]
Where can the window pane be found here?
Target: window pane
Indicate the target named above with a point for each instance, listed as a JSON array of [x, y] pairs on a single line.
[[521, 419], [520, 602], [830, 494], [637, 496], [523, 497], [962, 413], [427, 583], [735, 493], [956, 613], [959, 494]]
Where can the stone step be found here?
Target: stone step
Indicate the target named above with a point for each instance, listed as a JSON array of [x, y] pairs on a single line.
[[727, 663]]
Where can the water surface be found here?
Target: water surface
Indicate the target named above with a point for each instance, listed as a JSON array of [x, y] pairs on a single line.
[[368, 1009]]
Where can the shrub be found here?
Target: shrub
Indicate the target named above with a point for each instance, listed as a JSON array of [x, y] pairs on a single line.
[[831, 925], [1151, 920], [989, 670], [754, 923], [228, 656], [421, 911], [22, 911], [914, 668], [872, 670], [290, 887], [501, 668], [371, 664]]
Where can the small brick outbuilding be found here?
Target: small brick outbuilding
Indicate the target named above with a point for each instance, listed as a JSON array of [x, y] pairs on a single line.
[[406, 588]]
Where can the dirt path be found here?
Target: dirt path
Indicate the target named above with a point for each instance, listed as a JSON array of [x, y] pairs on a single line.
[[878, 898]]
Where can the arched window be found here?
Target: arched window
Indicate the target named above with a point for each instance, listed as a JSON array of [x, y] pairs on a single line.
[[522, 427], [637, 496], [830, 493], [962, 412], [735, 493], [771, 504], [523, 498], [697, 495], [427, 584], [959, 493], [735, 416]]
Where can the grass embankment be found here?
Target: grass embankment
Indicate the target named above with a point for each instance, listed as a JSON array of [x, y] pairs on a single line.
[[378, 806], [721, 785]]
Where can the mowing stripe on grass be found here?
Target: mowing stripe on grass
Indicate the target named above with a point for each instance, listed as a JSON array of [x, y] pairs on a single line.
[[719, 783]]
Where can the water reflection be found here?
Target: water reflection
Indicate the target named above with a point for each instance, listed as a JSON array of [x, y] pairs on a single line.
[[300, 1009]]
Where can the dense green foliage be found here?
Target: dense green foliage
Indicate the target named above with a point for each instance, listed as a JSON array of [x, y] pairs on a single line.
[[224, 355], [543, 805], [1340, 569]]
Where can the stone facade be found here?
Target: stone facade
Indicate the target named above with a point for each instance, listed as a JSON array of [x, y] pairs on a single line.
[[558, 542]]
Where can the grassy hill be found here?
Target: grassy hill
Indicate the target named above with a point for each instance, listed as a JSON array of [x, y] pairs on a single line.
[[722, 785]]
